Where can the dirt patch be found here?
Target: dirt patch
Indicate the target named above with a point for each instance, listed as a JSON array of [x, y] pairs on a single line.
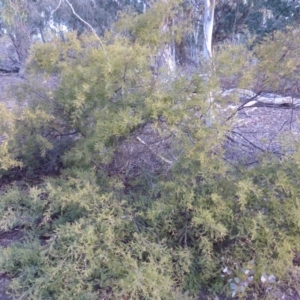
[[261, 130]]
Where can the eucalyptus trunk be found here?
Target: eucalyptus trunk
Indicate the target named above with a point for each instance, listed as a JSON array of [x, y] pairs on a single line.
[[208, 25]]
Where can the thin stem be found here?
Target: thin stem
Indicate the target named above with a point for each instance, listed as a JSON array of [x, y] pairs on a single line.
[[85, 22], [158, 155]]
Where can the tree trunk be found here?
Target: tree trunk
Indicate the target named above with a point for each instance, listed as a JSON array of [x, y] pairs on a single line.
[[166, 57], [208, 24], [20, 37]]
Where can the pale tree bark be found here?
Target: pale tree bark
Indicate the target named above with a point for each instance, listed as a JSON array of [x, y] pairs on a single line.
[[166, 54], [14, 17], [21, 39], [208, 25], [166, 57]]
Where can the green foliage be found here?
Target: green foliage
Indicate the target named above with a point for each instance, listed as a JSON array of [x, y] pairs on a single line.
[[152, 30], [278, 68], [90, 234], [93, 230]]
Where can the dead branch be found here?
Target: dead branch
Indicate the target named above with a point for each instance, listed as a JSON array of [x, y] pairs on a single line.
[[85, 22], [153, 152]]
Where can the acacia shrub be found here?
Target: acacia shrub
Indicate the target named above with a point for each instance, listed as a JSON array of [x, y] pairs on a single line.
[[191, 228], [84, 244], [196, 218]]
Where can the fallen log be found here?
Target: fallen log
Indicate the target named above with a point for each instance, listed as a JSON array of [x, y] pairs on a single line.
[[250, 99]]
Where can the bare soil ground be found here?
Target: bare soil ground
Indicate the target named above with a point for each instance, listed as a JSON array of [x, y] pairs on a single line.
[[263, 130]]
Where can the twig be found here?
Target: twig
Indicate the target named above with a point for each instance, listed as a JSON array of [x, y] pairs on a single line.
[[58, 6], [85, 22], [252, 144], [291, 119], [158, 155], [185, 237], [276, 133], [243, 106]]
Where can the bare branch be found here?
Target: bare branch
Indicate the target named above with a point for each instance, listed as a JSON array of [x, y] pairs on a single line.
[[158, 155], [248, 141], [85, 22], [58, 6]]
